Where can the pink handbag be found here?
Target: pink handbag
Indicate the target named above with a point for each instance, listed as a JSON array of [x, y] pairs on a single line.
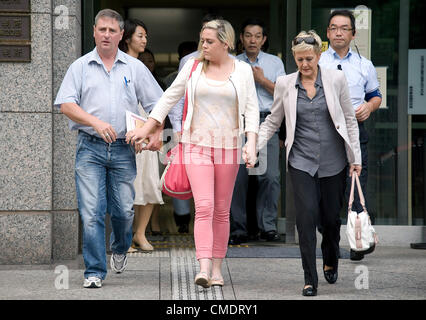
[[174, 181]]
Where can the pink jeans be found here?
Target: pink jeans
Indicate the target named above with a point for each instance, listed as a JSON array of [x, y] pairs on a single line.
[[212, 173]]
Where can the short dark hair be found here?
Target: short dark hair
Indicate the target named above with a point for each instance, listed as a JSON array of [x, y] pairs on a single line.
[[129, 29], [186, 47], [344, 13], [254, 22], [146, 51]]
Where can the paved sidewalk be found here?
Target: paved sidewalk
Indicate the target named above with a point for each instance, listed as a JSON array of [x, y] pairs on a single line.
[[389, 273]]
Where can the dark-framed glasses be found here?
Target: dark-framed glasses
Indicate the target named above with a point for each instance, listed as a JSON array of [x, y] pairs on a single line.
[[307, 40], [334, 29]]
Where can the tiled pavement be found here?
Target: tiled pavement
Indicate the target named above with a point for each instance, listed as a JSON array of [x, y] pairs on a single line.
[[390, 273]]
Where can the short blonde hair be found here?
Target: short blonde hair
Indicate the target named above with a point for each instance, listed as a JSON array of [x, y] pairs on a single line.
[[225, 34], [303, 46]]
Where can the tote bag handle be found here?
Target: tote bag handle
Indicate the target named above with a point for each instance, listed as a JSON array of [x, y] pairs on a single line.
[[355, 179]]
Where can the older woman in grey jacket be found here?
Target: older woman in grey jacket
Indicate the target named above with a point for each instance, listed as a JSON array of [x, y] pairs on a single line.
[[322, 139]]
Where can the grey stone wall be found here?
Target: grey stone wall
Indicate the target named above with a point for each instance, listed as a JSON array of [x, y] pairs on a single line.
[[66, 49], [38, 208]]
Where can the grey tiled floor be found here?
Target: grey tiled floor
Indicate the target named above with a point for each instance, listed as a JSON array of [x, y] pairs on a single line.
[[167, 274]]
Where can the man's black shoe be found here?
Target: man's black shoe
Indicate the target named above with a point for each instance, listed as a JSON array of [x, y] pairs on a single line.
[[183, 228], [356, 256], [237, 239], [253, 237], [182, 222], [270, 236]]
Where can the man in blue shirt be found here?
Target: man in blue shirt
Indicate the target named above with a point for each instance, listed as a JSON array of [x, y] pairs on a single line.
[[363, 85], [266, 69], [96, 91]]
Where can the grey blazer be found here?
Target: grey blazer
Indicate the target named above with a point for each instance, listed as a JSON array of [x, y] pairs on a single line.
[[339, 105]]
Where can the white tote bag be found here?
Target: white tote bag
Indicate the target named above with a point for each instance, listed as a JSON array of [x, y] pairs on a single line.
[[360, 232]]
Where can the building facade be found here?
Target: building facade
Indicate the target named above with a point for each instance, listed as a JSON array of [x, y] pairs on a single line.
[[39, 39]]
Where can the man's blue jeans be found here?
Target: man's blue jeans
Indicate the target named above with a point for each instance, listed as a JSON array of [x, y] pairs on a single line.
[[104, 175], [181, 207]]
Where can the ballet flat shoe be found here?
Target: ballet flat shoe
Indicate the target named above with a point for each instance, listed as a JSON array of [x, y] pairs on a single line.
[[202, 279], [146, 247], [217, 282], [132, 249]]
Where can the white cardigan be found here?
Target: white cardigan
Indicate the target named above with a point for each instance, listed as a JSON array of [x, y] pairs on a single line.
[[243, 81]]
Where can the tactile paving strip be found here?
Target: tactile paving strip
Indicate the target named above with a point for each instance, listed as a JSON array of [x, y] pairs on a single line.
[[154, 254], [184, 270], [184, 267]]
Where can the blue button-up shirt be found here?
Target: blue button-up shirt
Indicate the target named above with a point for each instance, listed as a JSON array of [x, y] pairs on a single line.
[[273, 67], [359, 71], [107, 95]]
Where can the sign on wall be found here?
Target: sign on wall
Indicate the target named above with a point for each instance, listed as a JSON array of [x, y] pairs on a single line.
[[416, 81], [15, 28], [363, 31], [15, 6], [15, 53], [382, 77], [15, 31]]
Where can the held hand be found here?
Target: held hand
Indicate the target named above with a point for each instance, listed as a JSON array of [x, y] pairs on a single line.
[[363, 112], [136, 138], [105, 130], [155, 142], [355, 168], [249, 155], [245, 155]]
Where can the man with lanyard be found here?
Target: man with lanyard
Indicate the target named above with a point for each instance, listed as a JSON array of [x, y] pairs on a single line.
[[266, 69], [96, 91], [363, 85]]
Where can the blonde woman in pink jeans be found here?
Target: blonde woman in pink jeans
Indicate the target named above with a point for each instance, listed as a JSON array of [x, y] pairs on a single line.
[[222, 107]]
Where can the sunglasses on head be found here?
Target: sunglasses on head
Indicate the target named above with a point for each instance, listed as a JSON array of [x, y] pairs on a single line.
[[307, 40]]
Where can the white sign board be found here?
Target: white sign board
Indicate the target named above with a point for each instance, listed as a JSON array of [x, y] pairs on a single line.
[[416, 81], [363, 31], [382, 77]]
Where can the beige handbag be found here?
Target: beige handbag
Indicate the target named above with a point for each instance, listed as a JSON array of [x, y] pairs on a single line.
[[361, 234]]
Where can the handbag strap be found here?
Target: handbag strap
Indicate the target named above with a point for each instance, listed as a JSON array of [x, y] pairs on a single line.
[[185, 106], [355, 180]]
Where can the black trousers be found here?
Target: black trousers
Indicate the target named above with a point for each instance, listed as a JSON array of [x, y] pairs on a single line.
[[318, 202]]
